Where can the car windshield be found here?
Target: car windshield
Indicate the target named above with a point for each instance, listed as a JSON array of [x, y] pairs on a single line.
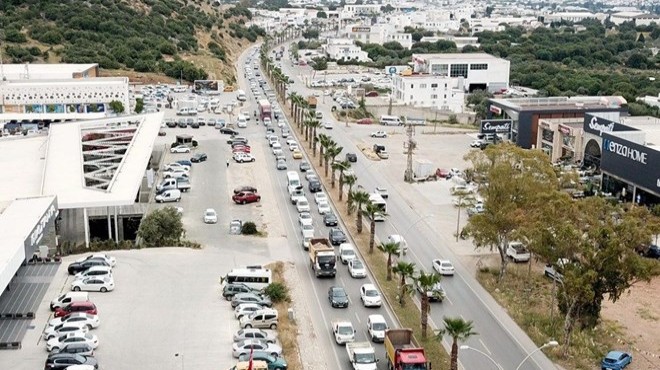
[[357, 264], [337, 233], [308, 227], [371, 293], [379, 326], [338, 292], [210, 213], [345, 330], [365, 358]]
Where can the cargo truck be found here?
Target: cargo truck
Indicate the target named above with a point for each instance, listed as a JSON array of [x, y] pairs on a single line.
[[312, 101], [401, 352], [322, 257], [362, 355], [265, 110], [423, 170]]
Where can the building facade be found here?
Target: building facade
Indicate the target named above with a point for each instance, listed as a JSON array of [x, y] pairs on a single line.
[[377, 34], [561, 139], [480, 71], [344, 49], [425, 90]]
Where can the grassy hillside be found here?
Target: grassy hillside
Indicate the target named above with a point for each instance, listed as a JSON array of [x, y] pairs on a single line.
[[171, 37]]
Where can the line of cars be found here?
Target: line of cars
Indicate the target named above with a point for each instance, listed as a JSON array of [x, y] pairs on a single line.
[[68, 337], [176, 179]]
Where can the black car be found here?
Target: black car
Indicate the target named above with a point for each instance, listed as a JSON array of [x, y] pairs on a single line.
[[170, 124], [245, 188], [329, 219], [351, 157], [337, 297], [80, 348], [304, 166], [228, 131], [231, 289], [652, 252], [182, 124], [336, 236], [194, 125], [77, 267], [314, 186], [61, 361], [199, 157]]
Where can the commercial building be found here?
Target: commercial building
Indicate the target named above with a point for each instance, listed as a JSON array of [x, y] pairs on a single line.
[[480, 71], [526, 113], [344, 49], [377, 34], [637, 17], [561, 139], [427, 90], [569, 17], [460, 41]]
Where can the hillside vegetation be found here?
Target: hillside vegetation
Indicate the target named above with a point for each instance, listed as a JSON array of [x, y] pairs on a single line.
[[178, 38]]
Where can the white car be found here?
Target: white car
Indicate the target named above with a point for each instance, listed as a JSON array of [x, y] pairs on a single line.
[[276, 145], [302, 205], [443, 267], [293, 146], [356, 269], [55, 344], [64, 328], [210, 216], [180, 149], [323, 207], [476, 143], [398, 239], [94, 271], [94, 284], [327, 125], [370, 296], [91, 321], [244, 347], [278, 152], [112, 261], [253, 333], [320, 197], [305, 218], [307, 231], [382, 191], [245, 309], [291, 141], [244, 157], [379, 134], [175, 174], [281, 123], [175, 166]]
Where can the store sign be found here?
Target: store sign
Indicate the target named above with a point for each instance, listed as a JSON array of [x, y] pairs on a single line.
[[630, 161], [496, 110], [496, 126], [361, 29], [565, 129], [44, 222], [393, 70], [598, 126]]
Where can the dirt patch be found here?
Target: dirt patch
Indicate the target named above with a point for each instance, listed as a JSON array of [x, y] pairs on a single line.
[[368, 152], [287, 330], [139, 78]]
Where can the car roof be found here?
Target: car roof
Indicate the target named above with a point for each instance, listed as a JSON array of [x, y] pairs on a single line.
[[614, 354], [369, 286], [82, 303], [376, 318]]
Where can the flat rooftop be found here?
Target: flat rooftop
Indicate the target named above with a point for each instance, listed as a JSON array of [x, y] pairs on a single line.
[[650, 126], [576, 103], [43, 71], [24, 157], [457, 56], [96, 81]]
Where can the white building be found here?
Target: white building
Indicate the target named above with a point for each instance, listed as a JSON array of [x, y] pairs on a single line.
[[58, 92], [460, 41], [569, 16], [640, 18], [378, 34], [344, 49], [481, 71], [497, 24], [426, 90]]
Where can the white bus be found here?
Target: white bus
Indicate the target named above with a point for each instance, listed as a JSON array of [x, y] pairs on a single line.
[[390, 120], [292, 181], [378, 200], [255, 277]]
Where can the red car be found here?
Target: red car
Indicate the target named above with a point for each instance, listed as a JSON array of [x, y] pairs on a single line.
[[365, 121], [243, 149], [246, 197], [371, 94], [442, 173], [86, 307]]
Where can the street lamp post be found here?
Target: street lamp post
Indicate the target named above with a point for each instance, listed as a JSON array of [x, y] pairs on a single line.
[[552, 343], [466, 347]]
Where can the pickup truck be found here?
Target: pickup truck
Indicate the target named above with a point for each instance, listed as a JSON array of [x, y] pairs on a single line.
[[343, 331], [517, 252], [182, 184], [362, 355]]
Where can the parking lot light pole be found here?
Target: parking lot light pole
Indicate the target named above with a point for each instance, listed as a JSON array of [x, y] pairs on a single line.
[[552, 343], [466, 347]]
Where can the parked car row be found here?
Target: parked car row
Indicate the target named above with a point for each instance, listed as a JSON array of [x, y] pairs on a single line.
[[176, 179], [68, 335]]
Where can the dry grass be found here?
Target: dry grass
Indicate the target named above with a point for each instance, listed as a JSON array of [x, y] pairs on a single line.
[[287, 329], [409, 315], [528, 299]]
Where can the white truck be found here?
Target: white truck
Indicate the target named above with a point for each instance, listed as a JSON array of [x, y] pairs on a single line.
[[423, 170], [362, 355], [343, 331]]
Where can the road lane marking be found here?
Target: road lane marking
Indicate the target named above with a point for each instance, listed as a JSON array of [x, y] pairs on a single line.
[[484, 345]]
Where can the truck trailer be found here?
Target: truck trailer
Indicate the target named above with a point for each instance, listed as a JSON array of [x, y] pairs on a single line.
[[265, 110], [401, 352]]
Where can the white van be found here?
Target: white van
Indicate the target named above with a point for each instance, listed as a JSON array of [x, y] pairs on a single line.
[[172, 195], [292, 181], [186, 112], [346, 253], [67, 298], [241, 96], [390, 120]]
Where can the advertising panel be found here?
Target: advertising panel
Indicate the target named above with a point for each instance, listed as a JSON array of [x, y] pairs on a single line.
[[361, 29], [598, 125], [210, 87], [394, 70], [45, 222], [496, 126], [632, 162]]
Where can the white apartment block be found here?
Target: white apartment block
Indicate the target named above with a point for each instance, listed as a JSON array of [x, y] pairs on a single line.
[[378, 34], [481, 71], [425, 90], [344, 49], [460, 41], [569, 16], [496, 24]]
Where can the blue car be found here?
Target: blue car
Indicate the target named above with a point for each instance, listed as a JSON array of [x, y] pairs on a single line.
[[185, 162], [616, 360]]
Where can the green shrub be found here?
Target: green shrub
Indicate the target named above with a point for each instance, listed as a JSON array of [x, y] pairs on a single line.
[[277, 292], [249, 228]]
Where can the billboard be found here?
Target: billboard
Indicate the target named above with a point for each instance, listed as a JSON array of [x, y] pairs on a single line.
[[496, 126], [395, 70], [208, 86], [631, 162], [361, 29], [598, 125]]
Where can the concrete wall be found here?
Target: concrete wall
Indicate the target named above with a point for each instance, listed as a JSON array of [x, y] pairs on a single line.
[[426, 113]]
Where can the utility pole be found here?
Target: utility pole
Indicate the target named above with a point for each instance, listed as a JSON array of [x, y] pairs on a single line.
[[410, 146]]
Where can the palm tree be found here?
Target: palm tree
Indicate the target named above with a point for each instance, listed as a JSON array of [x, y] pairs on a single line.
[[293, 96], [314, 125], [350, 180], [331, 153], [390, 249], [344, 166], [324, 140], [359, 199], [337, 166], [459, 330], [405, 270], [426, 282], [370, 210], [309, 118]]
